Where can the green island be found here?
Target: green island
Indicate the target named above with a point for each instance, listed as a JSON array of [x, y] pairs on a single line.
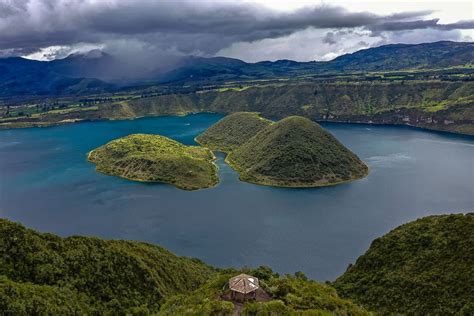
[[155, 158], [232, 131], [293, 152], [425, 267], [420, 268]]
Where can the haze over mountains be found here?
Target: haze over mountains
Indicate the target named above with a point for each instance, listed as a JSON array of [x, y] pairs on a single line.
[[97, 71]]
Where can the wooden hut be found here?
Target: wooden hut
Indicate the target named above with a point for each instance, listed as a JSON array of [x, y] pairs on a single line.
[[243, 287]]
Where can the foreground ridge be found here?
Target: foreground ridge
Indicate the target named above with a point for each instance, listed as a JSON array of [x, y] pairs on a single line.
[[424, 267]]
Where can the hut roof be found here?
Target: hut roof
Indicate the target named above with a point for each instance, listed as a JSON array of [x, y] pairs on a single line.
[[243, 283]]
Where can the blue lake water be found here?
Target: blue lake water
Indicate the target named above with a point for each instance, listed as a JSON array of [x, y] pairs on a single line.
[[47, 184]]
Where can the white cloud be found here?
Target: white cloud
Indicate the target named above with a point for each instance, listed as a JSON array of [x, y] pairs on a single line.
[[306, 45], [252, 30], [313, 44], [58, 51]]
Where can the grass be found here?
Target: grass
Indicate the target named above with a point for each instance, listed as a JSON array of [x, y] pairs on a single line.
[[154, 158]]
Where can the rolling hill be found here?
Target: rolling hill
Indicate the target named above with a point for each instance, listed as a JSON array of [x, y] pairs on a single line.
[[232, 131], [295, 152]]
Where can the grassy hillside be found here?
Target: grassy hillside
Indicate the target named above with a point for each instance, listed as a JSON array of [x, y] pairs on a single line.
[[46, 274], [425, 267], [232, 131], [289, 295], [154, 158], [295, 152], [435, 105], [438, 105]]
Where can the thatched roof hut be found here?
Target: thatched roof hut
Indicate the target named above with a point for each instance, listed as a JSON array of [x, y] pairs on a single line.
[[243, 286]]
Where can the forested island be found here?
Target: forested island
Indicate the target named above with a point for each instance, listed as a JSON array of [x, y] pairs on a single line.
[[155, 158], [423, 267], [293, 152], [232, 131]]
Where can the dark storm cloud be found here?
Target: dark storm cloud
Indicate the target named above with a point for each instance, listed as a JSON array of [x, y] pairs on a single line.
[[422, 24], [187, 27], [330, 38]]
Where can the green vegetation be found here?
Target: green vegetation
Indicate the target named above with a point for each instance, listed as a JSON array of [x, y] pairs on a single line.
[[425, 267], [232, 131], [431, 104], [288, 295], [295, 152], [154, 158], [46, 274], [420, 268]]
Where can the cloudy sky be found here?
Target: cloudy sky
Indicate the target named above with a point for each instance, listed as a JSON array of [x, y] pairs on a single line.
[[249, 30]]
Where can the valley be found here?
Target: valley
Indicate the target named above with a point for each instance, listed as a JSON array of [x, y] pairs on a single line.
[[430, 87]]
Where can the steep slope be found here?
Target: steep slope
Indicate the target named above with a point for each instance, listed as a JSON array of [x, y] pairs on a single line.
[[44, 274], [154, 158], [425, 267], [295, 152], [436, 105], [232, 131]]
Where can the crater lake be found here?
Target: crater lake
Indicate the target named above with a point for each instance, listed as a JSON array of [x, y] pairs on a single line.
[[46, 183]]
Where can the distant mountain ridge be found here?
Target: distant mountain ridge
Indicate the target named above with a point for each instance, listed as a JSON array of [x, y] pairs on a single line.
[[403, 56], [99, 72]]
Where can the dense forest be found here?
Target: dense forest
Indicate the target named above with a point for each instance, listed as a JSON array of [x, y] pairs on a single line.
[[420, 268], [43, 273]]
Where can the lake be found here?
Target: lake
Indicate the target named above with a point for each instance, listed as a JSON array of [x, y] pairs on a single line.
[[47, 184]]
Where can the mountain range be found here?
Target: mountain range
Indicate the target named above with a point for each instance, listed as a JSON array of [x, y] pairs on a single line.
[[98, 72]]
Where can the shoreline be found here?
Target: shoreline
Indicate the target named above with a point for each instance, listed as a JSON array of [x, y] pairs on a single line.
[[212, 161], [23, 125], [273, 185]]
